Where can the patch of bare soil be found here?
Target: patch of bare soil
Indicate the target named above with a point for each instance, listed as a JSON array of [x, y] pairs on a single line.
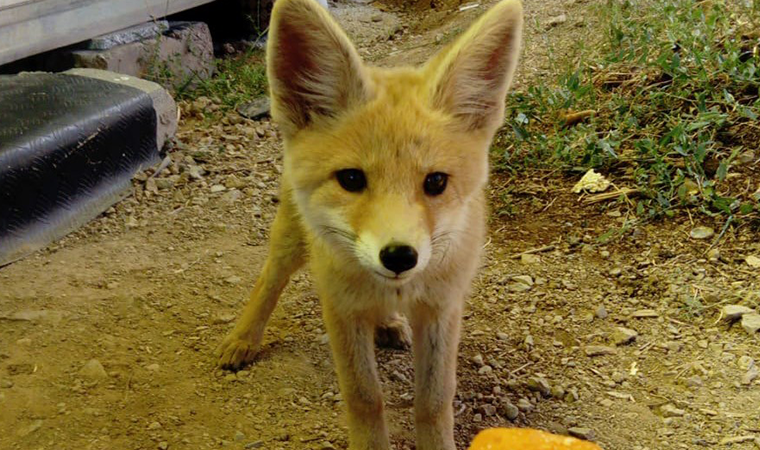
[[106, 337]]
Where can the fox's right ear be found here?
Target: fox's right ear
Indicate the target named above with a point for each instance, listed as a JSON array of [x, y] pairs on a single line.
[[314, 71]]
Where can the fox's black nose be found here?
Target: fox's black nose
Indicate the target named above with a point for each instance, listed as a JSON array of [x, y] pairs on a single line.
[[398, 258]]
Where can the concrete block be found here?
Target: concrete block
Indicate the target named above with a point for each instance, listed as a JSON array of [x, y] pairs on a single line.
[[167, 114], [179, 57]]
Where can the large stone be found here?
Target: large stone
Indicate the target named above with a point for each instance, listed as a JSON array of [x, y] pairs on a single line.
[[181, 56]]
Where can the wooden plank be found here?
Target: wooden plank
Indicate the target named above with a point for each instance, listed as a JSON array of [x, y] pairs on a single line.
[[28, 27]]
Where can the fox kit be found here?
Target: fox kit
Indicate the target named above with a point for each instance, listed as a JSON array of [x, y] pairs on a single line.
[[383, 190]]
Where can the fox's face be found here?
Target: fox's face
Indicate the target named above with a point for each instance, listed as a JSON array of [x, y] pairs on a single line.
[[386, 163]]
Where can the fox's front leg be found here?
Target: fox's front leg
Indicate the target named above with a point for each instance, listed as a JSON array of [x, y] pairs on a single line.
[[436, 338], [286, 254], [352, 343]]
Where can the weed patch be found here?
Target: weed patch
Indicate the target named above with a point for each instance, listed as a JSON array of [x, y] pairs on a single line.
[[668, 104]]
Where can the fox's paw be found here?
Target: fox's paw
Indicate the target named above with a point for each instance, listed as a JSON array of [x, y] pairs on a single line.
[[394, 333], [234, 353]]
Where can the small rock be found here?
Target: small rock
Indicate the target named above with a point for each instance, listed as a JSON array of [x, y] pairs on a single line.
[[645, 314], [524, 405], [222, 318], [6, 384], [154, 426], [477, 418], [93, 370], [510, 411], [524, 279], [601, 312], [527, 258], [586, 434], [31, 428], [478, 359], [377, 18], [239, 436], [599, 350], [753, 261], [713, 255], [485, 370], [735, 312], [500, 335], [669, 410], [623, 336], [750, 376], [218, 188], [233, 280], [489, 410], [616, 271], [163, 445], [558, 391], [738, 439], [751, 323], [256, 109], [539, 384], [745, 362], [153, 367], [558, 20], [619, 377], [701, 232]]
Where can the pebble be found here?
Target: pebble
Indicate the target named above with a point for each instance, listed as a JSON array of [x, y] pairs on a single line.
[[619, 377], [750, 376], [485, 370], [527, 258], [510, 411], [586, 434], [93, 370], [713, 255], [539, 384], [701, 232], [163, 445], [753, 261], [623, 336], [669, 410], [645, 314], [524, 405], [745, 362], [557, 20], [599, 350], [233, 280], [153, 367], [616, 271], [502, 336], [751, 323], [735, 312], [6, 384], [239, 436], [601, 312]]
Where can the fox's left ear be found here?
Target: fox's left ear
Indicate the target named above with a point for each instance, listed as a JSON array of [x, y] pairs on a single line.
[[314, 72], [470, 78]]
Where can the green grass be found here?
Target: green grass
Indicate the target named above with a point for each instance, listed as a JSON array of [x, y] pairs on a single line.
[[237, 80], [674, 90]]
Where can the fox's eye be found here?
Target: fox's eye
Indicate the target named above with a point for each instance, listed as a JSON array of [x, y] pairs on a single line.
[[435, 183], [352, 180]]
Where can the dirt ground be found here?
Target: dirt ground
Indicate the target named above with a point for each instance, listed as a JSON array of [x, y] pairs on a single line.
[[106, 337]]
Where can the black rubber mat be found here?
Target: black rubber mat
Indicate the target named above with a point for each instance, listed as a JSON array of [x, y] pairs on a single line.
[[69, 146]]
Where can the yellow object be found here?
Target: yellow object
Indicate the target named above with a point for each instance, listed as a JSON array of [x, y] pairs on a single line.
[[527, 439]]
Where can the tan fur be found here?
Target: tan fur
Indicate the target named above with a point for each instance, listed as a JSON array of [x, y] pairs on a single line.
[[397, 125]]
